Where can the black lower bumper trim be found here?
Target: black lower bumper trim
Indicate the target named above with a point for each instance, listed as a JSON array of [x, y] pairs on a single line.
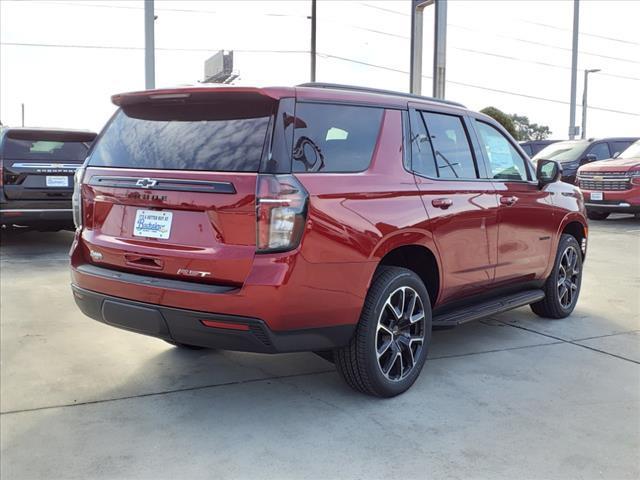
[[185, 326]]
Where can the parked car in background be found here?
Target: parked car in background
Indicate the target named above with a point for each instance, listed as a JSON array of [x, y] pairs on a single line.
[[326, 218], [573, 153], [612, 186], [36, 175], [534, 146]]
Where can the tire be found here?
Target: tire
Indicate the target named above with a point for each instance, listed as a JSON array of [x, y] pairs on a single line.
[[406, 336], [597, 215], [556, 304], [185, 346]]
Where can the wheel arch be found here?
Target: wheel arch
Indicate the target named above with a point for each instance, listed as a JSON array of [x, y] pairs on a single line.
[[577, 227], [419, 259]]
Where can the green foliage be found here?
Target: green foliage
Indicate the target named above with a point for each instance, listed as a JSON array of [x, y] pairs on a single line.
[[518, 126], [502, 118], [527, 130]]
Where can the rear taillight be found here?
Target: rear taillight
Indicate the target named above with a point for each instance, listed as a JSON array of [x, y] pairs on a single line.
[[281, 207], [76, 199]]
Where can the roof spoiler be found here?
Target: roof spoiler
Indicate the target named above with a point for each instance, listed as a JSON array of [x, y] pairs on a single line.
[[195, 94]]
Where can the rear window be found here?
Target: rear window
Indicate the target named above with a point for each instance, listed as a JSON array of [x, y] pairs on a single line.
[[44, 150], [181, 137], [334, 138]]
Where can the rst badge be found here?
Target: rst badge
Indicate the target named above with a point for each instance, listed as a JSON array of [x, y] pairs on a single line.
[[193, 273]]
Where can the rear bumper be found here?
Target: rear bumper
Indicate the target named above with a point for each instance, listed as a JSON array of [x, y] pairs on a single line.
[[229, 332], [34, 213]]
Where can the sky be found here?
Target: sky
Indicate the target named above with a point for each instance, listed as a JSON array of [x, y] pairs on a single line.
[[64, 59]]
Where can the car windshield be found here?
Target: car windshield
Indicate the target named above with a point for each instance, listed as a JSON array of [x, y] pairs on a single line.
[[563, 152], [632, 152]]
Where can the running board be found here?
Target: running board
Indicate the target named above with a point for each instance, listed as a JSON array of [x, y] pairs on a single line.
[[487, 308]]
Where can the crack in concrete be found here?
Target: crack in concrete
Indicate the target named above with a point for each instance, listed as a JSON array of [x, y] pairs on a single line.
[[574, 342]]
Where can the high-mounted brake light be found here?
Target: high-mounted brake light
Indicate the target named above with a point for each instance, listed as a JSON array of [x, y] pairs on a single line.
[[169, 96], [281, 210]]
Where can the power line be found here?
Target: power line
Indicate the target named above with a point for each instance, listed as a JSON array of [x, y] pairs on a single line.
[[542, 44], [604, 37], [491, 54], [181, 10], [405, 37], [327, 55], [381, 32], [595, 35], [481, 87], [116, 47]]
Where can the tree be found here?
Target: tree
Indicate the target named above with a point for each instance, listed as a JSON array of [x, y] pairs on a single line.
[[503, 119], [527, 130], [518, 125]]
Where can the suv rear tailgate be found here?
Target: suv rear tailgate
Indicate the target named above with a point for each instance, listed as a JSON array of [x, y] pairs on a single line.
[[211, 236], [39, 164], [170, 186]]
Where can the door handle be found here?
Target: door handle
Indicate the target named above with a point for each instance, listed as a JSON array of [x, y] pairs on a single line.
[[442, 203], [508, 200]]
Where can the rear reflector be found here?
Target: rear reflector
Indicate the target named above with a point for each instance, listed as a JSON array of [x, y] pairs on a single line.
[[229, 326]]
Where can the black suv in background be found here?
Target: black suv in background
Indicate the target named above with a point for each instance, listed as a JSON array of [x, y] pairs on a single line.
[[36, 175], [571, 154], [534, 146]]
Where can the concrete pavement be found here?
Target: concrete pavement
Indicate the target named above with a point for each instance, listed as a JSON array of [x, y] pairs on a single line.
[[513, 396]]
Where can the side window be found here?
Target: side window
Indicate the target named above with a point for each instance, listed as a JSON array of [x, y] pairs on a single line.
[[619, 146], [600, 150], [334, 138], [528, 149], [451, 147], [422, 159], [504, 160]]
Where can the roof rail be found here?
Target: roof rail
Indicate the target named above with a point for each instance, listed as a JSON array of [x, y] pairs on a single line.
[[338, 86]]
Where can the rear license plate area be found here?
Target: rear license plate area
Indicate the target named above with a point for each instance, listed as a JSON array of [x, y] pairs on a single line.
[[57, 181], [152, 224]]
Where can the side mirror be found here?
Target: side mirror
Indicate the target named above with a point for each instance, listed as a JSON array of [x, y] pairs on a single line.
[[548, 171], [588, 159], [616, 155]]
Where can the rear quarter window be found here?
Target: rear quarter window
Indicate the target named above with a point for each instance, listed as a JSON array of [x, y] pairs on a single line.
[[334, 138], [181, 138]]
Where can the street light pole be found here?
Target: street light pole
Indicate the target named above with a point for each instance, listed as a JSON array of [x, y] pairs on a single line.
[[583, 134]]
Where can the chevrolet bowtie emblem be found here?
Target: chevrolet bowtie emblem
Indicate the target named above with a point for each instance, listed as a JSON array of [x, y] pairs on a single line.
[[146, 183]]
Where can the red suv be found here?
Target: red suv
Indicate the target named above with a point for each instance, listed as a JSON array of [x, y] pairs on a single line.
[[612, 186], [325, 218]]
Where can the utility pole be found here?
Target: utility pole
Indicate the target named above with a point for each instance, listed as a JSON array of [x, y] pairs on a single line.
[[313, 40], [574, 70], [149, 46], [22, 105], [439, 46], [440, 49], [583, 133]]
